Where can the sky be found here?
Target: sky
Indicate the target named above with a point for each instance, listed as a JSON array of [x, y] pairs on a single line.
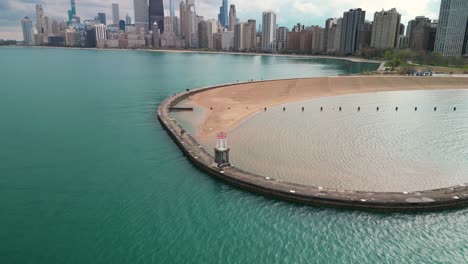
[[289, 12]]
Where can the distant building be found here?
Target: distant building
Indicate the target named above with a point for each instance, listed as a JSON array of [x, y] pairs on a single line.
[[115, 14], [223, 14], [91, 36], [40, 20], [349, 30], [329, 24], [420, 32], [28, 34], [72, 12], [232, 17], [141, 15], [386, 29], [102, 18], [101, 32], [128, 20], [122, 25], [452, 32], [206, 29], [268, 30], [156, 13], [281, 39], [364, 37], [171, 8], [56, 41], [227, 40]]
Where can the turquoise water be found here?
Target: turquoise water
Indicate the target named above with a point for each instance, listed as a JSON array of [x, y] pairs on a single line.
[[366, 150], [87, 175]]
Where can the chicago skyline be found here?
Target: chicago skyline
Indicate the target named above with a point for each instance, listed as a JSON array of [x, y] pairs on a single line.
[[309, 12]]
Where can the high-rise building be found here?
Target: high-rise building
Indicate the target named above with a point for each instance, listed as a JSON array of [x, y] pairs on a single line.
[[122, 25], [156, 13], [47, 25], [281, 38], [239, 36], [338, 31], [206, 29], [386, 29], [227, 40], [72, 11], [171, 8], [102, 18], [128, 20], [169, 23], [422, 32], [349, 29], [141, 15], [329, 23], [40, 19], [232, 17], [223, 14], [452, 31], [412, 24], [101, 32], [364, 38], [268, 30], [28, 34], [115, 14]]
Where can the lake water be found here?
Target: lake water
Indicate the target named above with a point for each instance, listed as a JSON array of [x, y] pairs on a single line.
[[365, 150], [87, 174]]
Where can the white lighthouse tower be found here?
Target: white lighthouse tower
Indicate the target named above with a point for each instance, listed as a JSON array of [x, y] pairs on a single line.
[[221, 151]]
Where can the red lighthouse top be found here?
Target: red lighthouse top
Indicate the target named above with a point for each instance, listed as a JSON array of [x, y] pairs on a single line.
[[222, 135]]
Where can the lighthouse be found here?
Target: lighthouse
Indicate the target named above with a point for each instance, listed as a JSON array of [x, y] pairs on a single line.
[[221, 151]]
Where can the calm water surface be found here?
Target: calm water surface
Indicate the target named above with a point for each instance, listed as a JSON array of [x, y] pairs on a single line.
[[87, 175], [366, 150]]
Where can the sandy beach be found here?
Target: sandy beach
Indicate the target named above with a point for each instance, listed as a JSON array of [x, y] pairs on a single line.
[[228, 106]]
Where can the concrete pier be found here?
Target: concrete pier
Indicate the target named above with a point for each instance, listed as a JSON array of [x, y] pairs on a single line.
[[453, 196]]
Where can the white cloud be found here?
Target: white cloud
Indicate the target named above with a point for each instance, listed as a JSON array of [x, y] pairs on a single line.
[[290, 12]]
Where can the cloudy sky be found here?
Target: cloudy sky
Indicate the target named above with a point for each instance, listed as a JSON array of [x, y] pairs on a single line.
[[289, 12]]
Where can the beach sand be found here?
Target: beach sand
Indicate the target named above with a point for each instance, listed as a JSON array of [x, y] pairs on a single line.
[[234, 103]]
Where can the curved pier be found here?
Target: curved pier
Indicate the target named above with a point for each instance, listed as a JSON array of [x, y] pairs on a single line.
[[450, 197]]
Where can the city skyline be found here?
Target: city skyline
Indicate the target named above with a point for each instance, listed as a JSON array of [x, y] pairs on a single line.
[[308, 12]]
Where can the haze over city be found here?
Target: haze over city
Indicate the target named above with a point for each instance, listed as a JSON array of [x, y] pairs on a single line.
[[289, 12]]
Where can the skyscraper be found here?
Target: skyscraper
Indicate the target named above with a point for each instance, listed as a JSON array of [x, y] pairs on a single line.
[[349, 29], [232, 17], [102, 18], [28, 35], [141, 15], [385, 29], [223, 14], [115, 14], [156, 14], [40, 19], [452, 31], [128, 20], [72, 11], [268, 30], [329, 23], [171, 8]]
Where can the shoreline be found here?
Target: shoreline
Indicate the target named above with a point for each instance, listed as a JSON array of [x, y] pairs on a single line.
[[226, 108], [352, 59], [454, 196]]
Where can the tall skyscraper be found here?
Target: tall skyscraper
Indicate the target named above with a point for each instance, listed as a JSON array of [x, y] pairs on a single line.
[[223, 14], [115, 14], [156, 13], [349, 30], [385, 29], [452, 31], [268, 30], [72, 11], [141, 15], [101, 32], [232, 17], [40, 19], [28, 34], [128, 20], [102, 18], [171, 8], [329, 23]]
